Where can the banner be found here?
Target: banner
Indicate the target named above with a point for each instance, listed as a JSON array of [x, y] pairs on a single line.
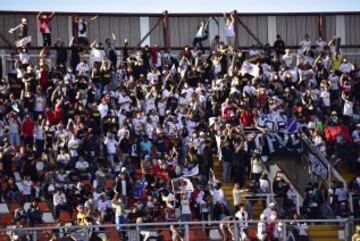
[[182, 185], [23, 42]]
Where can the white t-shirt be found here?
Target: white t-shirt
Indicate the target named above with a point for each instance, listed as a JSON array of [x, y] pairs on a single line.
[[334, 82], [348, 108], [325, 96], [218, 196], [345, 68], [98, 53], [288, 60], [39, 103], [341, 194], [305, 44], [103, 109], [185, 207], [81, 26], [82, 165], [264, 185], [199, 33], [39, 132], [73, 145], [26, 187], [243, 217], [110, 145], [229, 30]]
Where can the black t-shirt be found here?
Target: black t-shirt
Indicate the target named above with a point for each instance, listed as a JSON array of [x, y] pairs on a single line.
[[227, 154], [23, 31], [124, 145]]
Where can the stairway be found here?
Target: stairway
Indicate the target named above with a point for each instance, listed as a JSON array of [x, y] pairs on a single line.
[[257, 205], [346, 173], [324, 232]]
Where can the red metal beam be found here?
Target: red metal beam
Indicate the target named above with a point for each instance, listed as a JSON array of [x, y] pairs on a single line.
[[321, 19], [74, 28], [166, 29], [8, 42], [236, 29], [249, 31], [150, 31]]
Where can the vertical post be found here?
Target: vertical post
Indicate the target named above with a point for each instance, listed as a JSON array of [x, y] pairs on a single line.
[[137, 232], [70, 23], [322, 26], [165, 20], [86, 234], [351, 202], [74, 28], [347, 229], [236, 231], [236, 29], [187, 232], [298, 203], [284, 231], [34, 235], [267, 199], [329, 174]]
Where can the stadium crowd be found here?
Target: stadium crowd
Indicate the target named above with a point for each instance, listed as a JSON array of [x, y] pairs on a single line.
[[135, 141]]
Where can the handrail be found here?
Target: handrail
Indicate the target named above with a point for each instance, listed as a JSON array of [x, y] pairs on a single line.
[[134, 225], [323, 160]]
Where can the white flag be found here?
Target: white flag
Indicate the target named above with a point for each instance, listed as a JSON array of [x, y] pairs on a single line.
[[251, 69]]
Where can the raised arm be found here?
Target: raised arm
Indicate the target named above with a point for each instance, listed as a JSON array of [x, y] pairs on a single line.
[[332, 41], [94, 18], [232, 17], [52, 15], [11, 30], [71, 41], [93, 43], [38, 15]]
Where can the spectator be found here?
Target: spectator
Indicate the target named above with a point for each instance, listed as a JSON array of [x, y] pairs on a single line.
[[34, 214], [45, 27], [60, 203], [243, 217], [279, 46], [119, 208], [201, 35], [229, 29]]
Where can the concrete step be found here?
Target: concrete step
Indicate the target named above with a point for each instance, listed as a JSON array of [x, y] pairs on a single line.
[[324, 232]]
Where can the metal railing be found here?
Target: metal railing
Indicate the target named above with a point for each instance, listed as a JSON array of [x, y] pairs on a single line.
[[138, 231], [267, 198]]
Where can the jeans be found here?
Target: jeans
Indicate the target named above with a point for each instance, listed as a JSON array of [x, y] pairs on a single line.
[[119, 220], [111, 159], [14, 139], [27, 197], [226, 171], [46, 39], [185, 218], [198, 41]]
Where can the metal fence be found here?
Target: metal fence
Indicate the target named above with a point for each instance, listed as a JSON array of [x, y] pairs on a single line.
[[342, 228]]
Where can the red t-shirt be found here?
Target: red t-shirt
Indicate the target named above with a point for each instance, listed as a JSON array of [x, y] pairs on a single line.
[[44, 79], [51, 116], [45, 23], [229, 113], [262, 100], [28, 127], [59, 114], [246, 119]]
